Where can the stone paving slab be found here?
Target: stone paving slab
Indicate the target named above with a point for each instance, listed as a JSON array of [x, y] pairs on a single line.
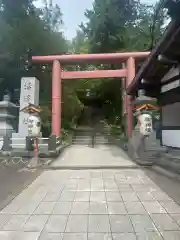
[[91, 205], [102, 156]]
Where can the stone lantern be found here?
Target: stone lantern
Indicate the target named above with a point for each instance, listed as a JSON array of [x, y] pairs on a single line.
[[8, 115], [144, 105], [143, 143], [34, 120]]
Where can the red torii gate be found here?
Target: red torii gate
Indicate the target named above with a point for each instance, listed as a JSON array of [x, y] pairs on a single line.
[[58, 75]]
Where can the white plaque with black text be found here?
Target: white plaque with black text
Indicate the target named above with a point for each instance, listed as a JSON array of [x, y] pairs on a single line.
[[29, 94]]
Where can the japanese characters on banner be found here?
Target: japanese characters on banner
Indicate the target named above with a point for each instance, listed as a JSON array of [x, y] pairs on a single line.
[[29, 94], [34, 126], [145, 124]]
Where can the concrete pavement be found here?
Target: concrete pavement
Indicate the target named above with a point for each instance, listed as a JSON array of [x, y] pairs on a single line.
[[102, 156], [118, 204]]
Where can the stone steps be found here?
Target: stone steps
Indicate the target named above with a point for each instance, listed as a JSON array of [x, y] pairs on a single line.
[[84, 136]]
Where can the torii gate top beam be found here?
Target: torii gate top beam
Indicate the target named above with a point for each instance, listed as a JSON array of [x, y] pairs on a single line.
[[87, 58], [94, 74]]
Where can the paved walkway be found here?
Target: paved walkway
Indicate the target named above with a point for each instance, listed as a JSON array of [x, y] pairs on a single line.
[[91, 205], [101, 156]]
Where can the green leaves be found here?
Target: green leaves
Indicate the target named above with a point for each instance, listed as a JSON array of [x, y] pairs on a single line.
[[23, 27], [52, 16], [106, 24], [123, 25]]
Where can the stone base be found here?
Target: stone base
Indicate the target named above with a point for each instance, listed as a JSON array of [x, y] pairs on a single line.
[[144, 163], [18, 141], [144, 149], [43, 152]]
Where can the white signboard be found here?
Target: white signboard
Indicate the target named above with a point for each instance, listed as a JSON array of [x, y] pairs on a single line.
[[29, 94], [145, 124]]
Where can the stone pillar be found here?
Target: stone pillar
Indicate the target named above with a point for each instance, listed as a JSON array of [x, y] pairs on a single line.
[[29, 94], [52, 143], [130, 77], [56, 98]]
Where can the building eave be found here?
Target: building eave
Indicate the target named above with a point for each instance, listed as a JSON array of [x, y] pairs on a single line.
[[161, 48]]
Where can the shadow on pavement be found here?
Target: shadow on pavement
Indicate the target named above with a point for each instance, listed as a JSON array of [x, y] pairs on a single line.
[[13, 180]]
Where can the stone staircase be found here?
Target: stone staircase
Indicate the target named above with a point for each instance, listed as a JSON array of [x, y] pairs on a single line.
[[81, 140], [101, 139], [84, 136]]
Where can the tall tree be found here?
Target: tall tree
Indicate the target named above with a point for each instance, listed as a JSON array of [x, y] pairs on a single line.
[[52, 15], [23, 27], [106, 24], [12, 11], [80, 43], [115, 25], [148, 28]]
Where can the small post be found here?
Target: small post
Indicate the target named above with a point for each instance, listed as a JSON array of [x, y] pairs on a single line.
[[93, 138], [36, 151], [35, 160], [29, 144]]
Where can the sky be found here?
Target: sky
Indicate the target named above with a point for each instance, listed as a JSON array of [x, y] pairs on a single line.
[[73, 13]]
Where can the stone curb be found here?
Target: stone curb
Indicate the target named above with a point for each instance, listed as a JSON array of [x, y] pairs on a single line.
[[80, 167], [166, 173], [157, 166], [165, 167]]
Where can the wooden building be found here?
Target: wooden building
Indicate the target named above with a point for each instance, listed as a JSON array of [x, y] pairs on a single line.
[[159, 76]]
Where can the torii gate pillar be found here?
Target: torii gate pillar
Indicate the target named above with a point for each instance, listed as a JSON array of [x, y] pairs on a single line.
[[130, 76], [56, 98]]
